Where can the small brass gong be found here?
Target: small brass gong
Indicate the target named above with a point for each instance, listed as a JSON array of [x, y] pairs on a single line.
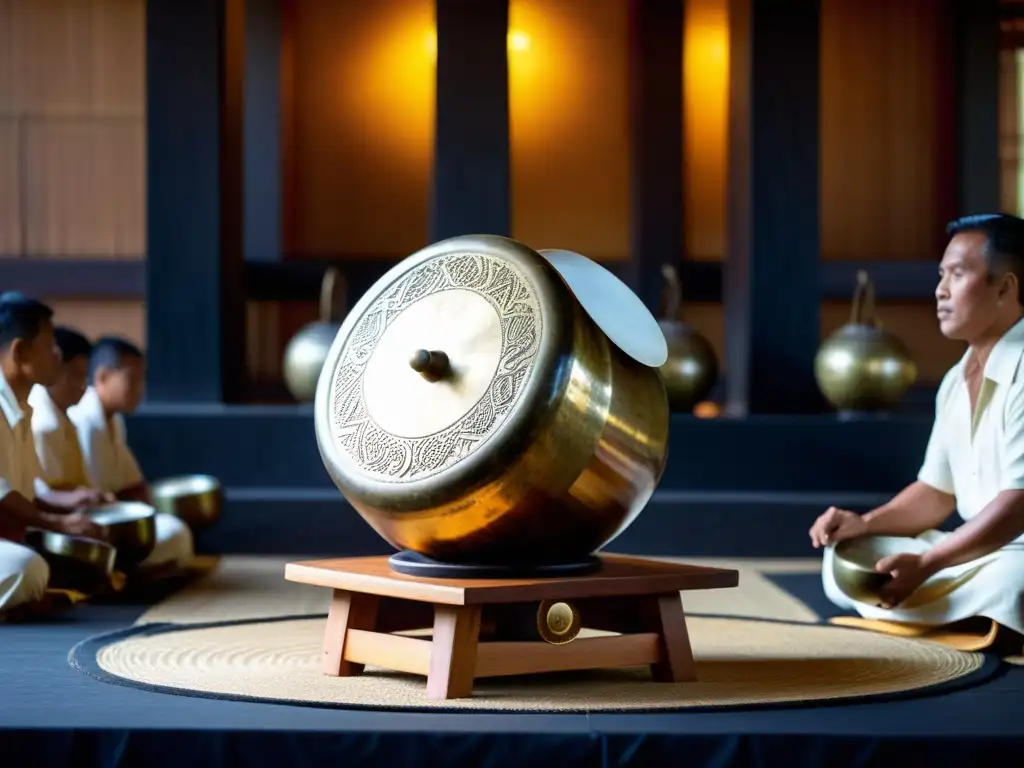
[[558, 622], [862, 367], [691, 370]]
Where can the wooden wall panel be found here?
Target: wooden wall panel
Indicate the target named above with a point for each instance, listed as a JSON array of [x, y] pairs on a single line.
[[705, 126], [51, 56], [568, 94], [73, 73], [119, 57], [95, 318], [1009, 130], [884, 117], [84, 195], [10, 191], [362, 129]]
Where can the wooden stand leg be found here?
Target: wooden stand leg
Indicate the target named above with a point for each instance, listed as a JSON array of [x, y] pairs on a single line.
[[667, 618], [349, 610], [453, 651]]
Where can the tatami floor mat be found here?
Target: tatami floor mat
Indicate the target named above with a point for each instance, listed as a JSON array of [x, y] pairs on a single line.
[[740, 662]]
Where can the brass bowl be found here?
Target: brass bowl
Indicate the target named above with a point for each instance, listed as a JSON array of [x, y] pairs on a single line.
[[130, 527], [854, 561], [77, 563], [196, 499], [487, 403]]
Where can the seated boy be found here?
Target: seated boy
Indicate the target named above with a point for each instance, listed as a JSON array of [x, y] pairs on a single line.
[[117, 377], [27, 359]]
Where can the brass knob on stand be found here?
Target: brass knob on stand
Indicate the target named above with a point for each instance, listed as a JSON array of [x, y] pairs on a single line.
[[558, 622], [432, 365]]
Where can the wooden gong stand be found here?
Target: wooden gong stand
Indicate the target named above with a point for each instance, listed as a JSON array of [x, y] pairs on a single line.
[[488, 628]]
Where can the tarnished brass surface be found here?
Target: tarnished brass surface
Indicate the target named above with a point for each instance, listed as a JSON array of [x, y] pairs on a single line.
[[84, 565], [305, 353], [96, 554], [558, 622], [196, 499], [541, 442], [129, 526], [691, 370], [863, 367], [854, 571]]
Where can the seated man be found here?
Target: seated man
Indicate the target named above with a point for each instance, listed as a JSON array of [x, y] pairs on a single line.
[[26, 359], [116, 372], [63, 479], [974, 461]]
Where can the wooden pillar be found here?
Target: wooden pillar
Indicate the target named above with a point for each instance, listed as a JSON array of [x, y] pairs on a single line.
[[262, 131], [976, 25], [771, 276], [471, 176], [656, 142], [194, 283]]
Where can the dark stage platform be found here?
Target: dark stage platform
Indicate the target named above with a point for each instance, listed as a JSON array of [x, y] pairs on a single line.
[[51, 714]]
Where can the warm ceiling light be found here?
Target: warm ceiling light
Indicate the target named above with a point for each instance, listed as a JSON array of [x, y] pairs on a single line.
[[518, 41]]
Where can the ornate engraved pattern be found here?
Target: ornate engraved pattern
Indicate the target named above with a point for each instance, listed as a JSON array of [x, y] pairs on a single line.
[[392, 458]]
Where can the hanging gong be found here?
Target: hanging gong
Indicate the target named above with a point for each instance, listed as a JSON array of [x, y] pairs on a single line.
[[484, 403]]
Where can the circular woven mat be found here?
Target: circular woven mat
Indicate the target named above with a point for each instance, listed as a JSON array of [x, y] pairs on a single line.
[[740, 662]]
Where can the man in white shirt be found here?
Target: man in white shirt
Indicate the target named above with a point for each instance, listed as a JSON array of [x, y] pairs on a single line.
[[117, 379], [974, 462], [27, 358], [63, 478]]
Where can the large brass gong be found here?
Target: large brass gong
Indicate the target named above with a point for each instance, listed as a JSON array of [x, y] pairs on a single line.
[[863, 367], [483, 403]]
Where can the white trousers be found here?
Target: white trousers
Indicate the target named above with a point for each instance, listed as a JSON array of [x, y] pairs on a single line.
[[995, 592], [173, 542], [23, 575]]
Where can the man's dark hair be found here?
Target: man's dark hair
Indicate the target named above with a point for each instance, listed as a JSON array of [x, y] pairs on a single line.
[[21, 318], [112, 352], [71, 343], [1004, 235]]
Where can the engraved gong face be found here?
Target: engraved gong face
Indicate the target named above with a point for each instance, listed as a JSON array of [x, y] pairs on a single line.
[[437, 362]]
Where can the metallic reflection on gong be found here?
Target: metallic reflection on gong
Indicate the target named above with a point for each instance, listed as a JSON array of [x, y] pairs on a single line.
[[540, 445], [558, 622], [863, 367]]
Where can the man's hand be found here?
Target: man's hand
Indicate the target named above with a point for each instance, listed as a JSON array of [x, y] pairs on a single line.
[[908, 572], [77, 524], [88, 497], [837, 525]]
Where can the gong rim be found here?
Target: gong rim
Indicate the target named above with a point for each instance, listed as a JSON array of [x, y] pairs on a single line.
[[536, 397]]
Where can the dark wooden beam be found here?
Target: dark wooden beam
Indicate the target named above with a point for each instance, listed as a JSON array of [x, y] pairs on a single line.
[[195, 312], [91, 278], [771, 282], [656, 143], [263, 156], [471, 181], [976, 25], [299, 279]]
